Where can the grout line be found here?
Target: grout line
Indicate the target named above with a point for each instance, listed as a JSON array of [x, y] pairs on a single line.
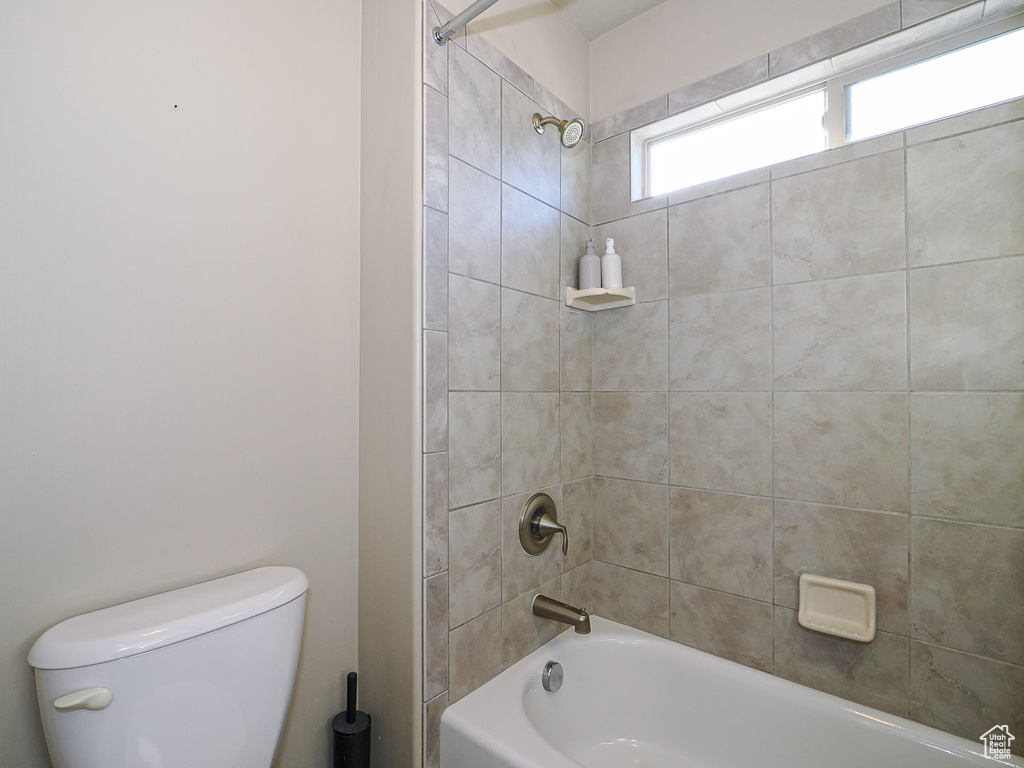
[[771, 390], [932, 644], [910, 458], [966, 131], [918, 267], [668, 416]]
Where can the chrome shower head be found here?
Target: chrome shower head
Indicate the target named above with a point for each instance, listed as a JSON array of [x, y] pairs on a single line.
[[570, 131]]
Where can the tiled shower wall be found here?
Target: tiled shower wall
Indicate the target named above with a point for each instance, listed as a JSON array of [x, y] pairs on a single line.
[[824, 374], [507, 367]]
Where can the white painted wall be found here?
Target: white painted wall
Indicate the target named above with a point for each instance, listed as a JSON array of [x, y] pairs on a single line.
[[683, 41], [537, 37], [390, 440], [178, 320]]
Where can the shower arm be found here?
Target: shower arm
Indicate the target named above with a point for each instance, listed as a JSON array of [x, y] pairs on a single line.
[[539, 122], [442, 33]]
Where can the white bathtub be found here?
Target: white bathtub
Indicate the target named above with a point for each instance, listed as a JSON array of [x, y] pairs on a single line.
[[630, 699]]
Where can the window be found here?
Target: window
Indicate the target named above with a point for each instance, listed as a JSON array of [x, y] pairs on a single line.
[[830, 103], [967, 78], [789, 129]]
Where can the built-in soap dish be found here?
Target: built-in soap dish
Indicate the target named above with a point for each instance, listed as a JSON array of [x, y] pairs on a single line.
[[836, 607]]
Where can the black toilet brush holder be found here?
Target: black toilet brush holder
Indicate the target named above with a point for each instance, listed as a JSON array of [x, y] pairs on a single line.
[[351, 733]]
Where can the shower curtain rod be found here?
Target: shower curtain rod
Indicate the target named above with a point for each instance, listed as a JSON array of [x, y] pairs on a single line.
[[441, 34]]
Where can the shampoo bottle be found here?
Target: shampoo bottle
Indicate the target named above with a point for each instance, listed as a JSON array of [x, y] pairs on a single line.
[[590, 269], [611, 266]]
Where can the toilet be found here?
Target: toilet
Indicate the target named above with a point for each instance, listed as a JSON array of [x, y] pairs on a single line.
[[200, 677]]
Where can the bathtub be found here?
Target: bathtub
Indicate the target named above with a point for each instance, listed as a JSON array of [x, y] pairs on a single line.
[[633, 700]]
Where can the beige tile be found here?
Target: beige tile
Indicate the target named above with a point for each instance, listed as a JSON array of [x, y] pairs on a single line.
[[967, 587], [968, 121], [432, 712], [843, 154], [722, 541], [573, 238], [522, 632], [721, 341], [977, 216], [575, 173], [474, 101], [529, 441], [848, 334], [576, 436], [529, 162], [966, 457], [577, 589], [997, 9], [916, 11], [520, 571], [499, 62], [631, 118], [435, 513], [732, 627], [631, 524], [474, 570], [610, 183], [719, 243], [842, 448], [874, 674], [435, 57], [435, 635], [841, 37], [721, 441], [631, 349], [529, 343], [718, 186], [435, 270], [631, 435], [965, 328], [474, 453], [435, 391], [475, 654], [642, 243], [529, 243], [575, 356], [435, 150], [474, 334], [577, 515], [849, 544], [632, 598], [474, 223], [841, 220], [733, 79], [963, 694]]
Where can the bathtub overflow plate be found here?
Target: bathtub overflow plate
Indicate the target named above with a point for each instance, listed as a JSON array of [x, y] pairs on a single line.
[[551, 677]]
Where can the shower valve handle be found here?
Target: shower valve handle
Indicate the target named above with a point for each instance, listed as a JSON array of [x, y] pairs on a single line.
[[546, 526], [539, 524]]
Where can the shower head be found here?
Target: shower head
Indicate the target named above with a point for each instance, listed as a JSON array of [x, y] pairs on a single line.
[[570, 131]]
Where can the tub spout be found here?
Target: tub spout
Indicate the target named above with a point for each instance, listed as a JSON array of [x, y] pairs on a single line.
[[549, 608]]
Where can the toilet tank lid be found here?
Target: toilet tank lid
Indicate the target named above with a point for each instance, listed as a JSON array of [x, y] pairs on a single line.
[[170, 617]]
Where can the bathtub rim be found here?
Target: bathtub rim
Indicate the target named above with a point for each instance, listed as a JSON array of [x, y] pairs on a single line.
[[499, 731]]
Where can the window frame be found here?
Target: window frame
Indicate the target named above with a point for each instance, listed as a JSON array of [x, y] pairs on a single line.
[[833, 75]]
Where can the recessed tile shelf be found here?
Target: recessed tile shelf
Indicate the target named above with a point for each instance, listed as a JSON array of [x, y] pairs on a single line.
[[596, 299]]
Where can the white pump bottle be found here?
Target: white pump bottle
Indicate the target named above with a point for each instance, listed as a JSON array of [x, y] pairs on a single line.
[[611, 266]]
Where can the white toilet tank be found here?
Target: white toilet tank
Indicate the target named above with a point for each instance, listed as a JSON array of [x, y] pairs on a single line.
[[200, 677]]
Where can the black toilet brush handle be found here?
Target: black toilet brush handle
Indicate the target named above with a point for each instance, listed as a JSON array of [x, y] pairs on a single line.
[[350, 715]]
